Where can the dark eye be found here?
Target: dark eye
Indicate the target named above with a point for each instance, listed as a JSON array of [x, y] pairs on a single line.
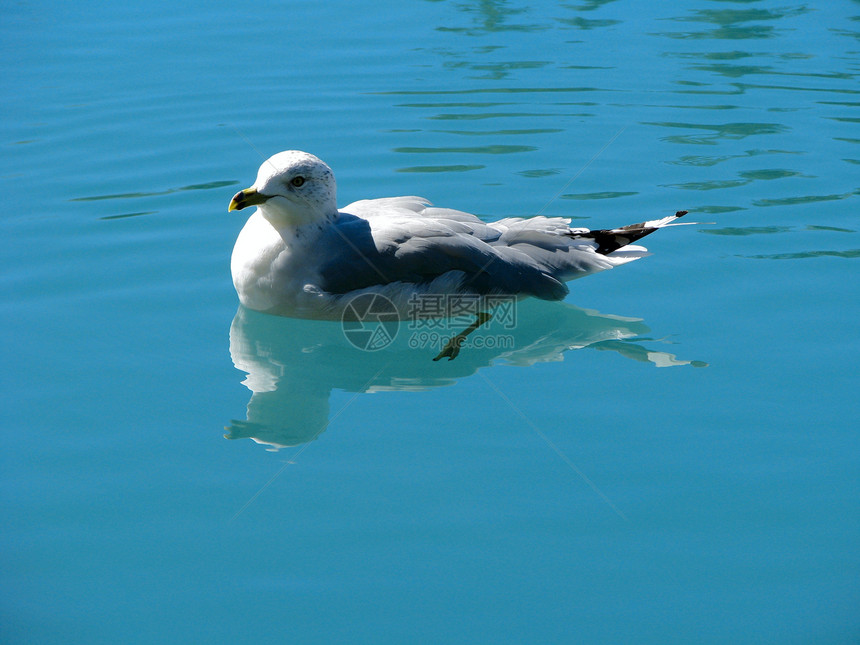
[[297, 181]]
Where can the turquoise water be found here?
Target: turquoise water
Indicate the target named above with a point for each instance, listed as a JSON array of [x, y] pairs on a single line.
[[670, 455]]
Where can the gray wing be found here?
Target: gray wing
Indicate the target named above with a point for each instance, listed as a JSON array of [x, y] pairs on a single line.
[[405, 239], [402, 240]]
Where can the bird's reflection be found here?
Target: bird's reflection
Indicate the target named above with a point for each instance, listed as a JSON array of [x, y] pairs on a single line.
[[292, 365]]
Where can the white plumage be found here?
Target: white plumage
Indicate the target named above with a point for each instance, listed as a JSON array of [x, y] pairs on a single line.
[[299, 256]]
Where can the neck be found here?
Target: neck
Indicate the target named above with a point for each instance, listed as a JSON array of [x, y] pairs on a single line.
[[301, 234], [291, 228]]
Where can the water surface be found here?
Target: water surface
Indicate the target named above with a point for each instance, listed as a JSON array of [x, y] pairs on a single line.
[[670, 455]]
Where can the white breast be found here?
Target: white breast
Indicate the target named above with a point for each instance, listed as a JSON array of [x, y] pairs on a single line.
[[258, 250]]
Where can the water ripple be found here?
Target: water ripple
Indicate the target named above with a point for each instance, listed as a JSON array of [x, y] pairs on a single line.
[[746, 177], [584, 23], [852, 253], [747, 230], [481, 150], [805, 199], [603, 195], [705, 161], [125, 215], [207, 186], [717, 131], [484, 133], [446, 168], [731, 23]]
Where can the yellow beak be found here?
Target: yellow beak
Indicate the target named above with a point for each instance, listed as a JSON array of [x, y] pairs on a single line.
[[245, 198]]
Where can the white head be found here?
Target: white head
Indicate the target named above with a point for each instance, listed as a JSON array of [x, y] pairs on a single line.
[[293, 189]]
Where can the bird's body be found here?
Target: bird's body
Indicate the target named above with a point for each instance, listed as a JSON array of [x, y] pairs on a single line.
[[299, 256]]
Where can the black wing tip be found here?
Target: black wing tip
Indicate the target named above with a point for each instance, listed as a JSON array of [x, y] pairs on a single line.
[[609, 240]]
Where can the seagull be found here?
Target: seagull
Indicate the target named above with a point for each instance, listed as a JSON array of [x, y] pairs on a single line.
[[300, 256]]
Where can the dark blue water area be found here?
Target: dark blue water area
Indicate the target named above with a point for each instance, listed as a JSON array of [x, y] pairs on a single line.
[[670, 455]]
